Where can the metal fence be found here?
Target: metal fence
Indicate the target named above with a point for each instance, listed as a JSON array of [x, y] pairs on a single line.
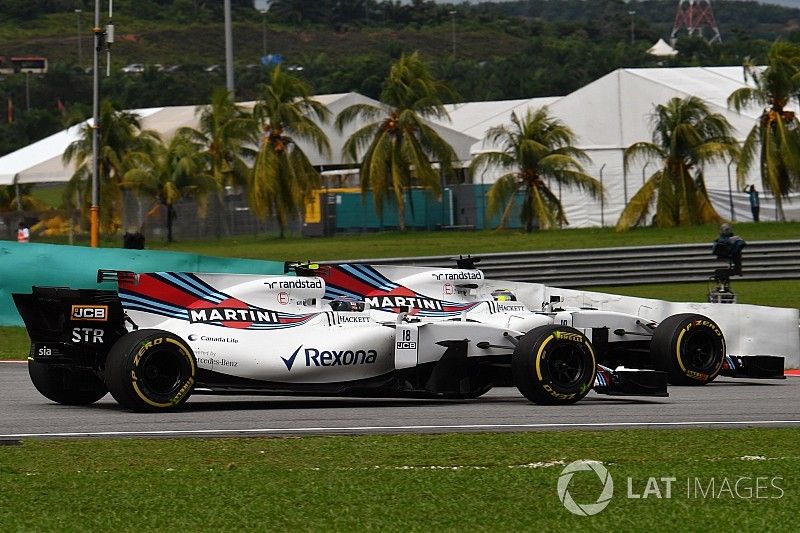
[[624, 266]]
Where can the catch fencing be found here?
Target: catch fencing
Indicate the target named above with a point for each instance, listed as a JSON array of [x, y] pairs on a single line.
[[762, 260]]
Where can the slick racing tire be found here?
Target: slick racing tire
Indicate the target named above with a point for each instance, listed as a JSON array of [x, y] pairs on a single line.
[[67, 386], [690, 348], [150, 370], [554, 365]]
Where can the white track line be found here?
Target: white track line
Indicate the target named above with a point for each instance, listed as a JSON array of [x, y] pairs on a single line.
[[267, 431], [13, 361]]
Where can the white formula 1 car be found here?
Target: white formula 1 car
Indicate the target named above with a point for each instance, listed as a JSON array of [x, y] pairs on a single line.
[[347, 330]]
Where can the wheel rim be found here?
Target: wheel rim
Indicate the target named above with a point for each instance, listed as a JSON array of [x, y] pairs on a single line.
[[566, 365], [161, 372], [699, 350]]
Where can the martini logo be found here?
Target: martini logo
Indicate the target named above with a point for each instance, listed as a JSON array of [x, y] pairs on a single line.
[[232, 314], [389, 302]]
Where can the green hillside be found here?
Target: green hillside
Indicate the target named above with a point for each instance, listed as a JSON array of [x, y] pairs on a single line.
[[502, 50]]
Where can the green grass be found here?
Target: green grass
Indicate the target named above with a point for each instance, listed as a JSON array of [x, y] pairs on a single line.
[[421, 243], [51, 194], [14, 343], [778, 293], [398, 483]]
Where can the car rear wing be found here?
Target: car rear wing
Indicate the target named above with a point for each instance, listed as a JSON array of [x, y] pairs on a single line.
[[71, 326], [126, 276], [306, 269]]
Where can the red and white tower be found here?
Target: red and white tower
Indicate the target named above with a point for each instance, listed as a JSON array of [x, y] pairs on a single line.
[[694, 15]]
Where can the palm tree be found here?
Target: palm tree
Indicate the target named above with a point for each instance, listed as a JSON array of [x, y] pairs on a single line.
[[224, 132], [686, 137], [179, 168], [776, 134], [120, 136], [283, 177], [535, 148], [26, 202], [397, 144]]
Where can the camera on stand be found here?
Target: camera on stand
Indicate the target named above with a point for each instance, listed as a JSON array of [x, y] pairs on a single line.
[[728, 247]]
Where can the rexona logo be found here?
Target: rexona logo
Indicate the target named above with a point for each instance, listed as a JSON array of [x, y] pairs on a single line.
[[457, 276], [299, 283], [316, 357], [388, 302], [230, 314]]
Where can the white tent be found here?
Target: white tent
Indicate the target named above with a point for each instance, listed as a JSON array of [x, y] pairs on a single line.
[[607, 115], [42, 160], [662, 49], [613, 112]]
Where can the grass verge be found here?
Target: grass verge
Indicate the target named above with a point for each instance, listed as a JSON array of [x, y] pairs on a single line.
[[421, 243], [14, 343], [775, 293], [406, 482]]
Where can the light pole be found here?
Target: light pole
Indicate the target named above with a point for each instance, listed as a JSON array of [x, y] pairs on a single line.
[[632, 13], [453, 25], [264, 31], [94, 210], [228, 48], [78, 13]]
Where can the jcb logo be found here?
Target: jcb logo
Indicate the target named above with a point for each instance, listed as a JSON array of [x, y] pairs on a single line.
[[95, 313]]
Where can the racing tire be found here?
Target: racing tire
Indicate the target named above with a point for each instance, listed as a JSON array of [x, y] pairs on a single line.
[[554, 365], [150, 370], [67, 386], [689, 347]]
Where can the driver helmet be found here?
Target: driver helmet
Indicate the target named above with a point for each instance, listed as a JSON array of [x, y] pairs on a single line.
[[344, 304], [725, 230], [503, 295]]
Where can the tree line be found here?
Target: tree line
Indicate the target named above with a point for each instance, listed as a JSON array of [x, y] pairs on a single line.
[[396, 149], [554, 47]]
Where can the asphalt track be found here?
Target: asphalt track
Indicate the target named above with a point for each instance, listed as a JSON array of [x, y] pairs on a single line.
[[725, 403]]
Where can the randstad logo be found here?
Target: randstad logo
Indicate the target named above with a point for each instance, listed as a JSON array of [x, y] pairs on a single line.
[[585, 509]]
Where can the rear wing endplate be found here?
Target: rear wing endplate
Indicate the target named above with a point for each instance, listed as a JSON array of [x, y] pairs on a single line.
[[126, 276]]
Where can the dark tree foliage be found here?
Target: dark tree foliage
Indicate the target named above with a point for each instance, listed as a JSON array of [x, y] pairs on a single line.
[[559, 46]]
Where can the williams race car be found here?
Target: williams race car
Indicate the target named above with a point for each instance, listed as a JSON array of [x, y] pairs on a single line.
[[690, 348], [345, 330]]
